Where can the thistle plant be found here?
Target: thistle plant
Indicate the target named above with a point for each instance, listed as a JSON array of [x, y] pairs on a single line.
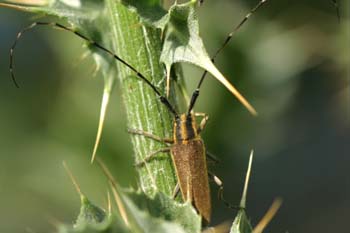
[[153, 41]]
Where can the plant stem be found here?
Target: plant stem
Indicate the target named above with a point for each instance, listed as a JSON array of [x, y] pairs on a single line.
[[141, 46]]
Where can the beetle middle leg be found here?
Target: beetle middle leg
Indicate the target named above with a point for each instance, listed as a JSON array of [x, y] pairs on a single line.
[[205, 118], [151, 156], [154, 137], [212, 157]]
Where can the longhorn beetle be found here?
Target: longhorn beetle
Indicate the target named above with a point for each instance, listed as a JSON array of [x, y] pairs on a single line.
[[187, 147], [187, 150]]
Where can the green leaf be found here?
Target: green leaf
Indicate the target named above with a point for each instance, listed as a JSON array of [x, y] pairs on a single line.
[[241, 223], [164, 207], [159, 213], [89, 18], [144, 215], [143, 110], [89, 213], [93, 219], [111, 24], [87, 10], [150, 11], [183, 44]]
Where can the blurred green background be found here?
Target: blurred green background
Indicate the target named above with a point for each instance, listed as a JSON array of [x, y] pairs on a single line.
[[291, 60]]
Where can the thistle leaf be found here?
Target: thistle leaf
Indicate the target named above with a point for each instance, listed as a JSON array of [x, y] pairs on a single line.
[[166, 208], [241, 223], [182, 43], [150, 11], [92, 219], [160, 213], [89, 19], [89, 213]]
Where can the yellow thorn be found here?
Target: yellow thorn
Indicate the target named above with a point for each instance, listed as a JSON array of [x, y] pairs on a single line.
[[120, 206], [114, 187], [104, 105], [268, 216], [70, 174], [246, 183], [210, 67]]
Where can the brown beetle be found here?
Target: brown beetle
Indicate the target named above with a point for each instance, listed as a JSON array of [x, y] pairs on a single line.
[[187, 148], [188, 155]]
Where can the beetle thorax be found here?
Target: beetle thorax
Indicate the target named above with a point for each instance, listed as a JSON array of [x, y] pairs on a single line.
[[185, 128]]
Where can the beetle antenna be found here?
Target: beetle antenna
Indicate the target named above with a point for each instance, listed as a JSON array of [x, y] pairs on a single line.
[[93, 43], [228, 38]]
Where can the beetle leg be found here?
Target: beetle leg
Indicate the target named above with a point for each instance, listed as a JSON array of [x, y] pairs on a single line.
[[212, 157], [150, 135], [176, 190], [150, 156], [204, 120], [220, 184]]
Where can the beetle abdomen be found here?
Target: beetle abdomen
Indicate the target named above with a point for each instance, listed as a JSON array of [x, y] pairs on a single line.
[[191, 168]]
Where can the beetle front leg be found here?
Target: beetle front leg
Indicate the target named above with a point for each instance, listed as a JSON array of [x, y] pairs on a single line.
[[150, 135]]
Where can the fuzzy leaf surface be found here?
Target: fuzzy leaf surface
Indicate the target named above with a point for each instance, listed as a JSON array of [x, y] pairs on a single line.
[[92, 219], [241, 224], [164, 207], [150, 11]]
